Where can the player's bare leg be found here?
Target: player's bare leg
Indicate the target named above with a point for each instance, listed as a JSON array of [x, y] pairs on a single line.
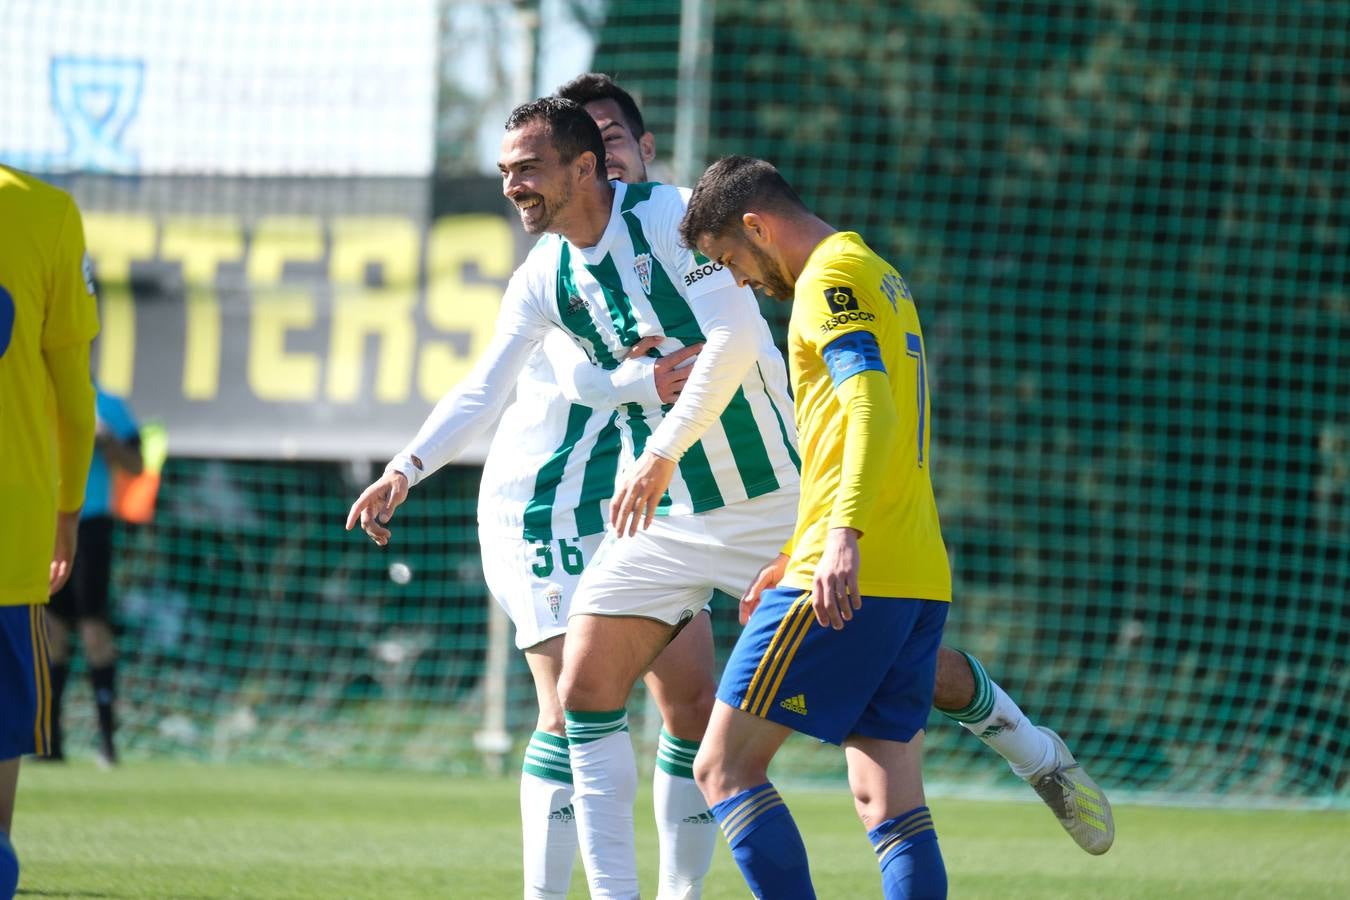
[[548, 824], [964, 692], [681, 683], [886, 778], [602, 659], [9, 861], [732, 769]]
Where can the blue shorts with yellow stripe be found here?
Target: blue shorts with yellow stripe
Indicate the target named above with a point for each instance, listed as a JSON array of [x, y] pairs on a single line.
[[874, 678], [25, 682]]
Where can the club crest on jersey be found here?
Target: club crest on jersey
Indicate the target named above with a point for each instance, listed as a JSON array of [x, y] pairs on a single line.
[[642, 265], [553, 597], [575, 304]]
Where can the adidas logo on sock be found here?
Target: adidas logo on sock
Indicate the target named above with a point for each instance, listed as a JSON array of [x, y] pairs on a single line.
[[566, 814], [795, 704], [703, 818]]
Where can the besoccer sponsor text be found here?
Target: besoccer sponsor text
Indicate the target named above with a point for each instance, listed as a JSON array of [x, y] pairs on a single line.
[[701, 272], [846, 318]]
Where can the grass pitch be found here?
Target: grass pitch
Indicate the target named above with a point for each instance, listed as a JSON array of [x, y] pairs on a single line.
[[169, 830]]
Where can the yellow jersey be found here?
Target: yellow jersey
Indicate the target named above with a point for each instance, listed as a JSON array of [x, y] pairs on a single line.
[[46, 303], [860, 388]]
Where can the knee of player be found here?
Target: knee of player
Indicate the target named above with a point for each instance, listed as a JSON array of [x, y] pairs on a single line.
[[687, 717], [588, 695], [720, 776]]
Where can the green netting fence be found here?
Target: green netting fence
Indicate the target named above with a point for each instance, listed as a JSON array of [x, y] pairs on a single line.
[[1126, 225]]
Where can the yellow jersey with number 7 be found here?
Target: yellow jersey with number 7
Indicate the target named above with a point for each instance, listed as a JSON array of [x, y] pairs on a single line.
[[854, 327]]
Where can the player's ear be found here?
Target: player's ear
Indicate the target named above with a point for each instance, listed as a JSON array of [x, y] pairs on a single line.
[[647, 147], [756, 229], [586, 165]]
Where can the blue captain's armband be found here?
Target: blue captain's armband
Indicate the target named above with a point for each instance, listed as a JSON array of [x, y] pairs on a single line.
[[851, 353]]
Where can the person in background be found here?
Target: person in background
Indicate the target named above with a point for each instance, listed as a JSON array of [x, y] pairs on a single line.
[[82, 605]]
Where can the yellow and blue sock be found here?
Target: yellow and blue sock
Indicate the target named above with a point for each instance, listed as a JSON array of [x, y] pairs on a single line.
[[910, 859], [766, 844]]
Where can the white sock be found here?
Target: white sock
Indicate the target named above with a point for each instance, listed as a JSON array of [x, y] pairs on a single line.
[[687, 830], [604, 779], [548, 823], [996, 719]]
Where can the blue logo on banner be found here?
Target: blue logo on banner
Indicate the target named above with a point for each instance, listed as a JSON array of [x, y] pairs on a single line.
[[95, 100]]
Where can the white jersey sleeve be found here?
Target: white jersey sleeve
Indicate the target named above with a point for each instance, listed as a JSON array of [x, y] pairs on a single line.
[[725, 313], [474, 404], [581, 381]]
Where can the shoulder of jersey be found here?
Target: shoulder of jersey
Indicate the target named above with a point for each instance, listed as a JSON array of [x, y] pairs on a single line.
[[662, 194], [544, 252], [31, 191]]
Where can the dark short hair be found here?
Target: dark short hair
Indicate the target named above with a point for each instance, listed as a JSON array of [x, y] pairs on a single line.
[[573, 132], [593, 86], [731, 187]]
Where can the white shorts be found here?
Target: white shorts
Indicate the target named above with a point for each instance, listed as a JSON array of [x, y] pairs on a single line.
[[534, 581], [669, 571]]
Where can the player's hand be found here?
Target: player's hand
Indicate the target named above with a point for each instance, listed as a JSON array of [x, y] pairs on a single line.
[[646, 345], [673, 371], [63, 556], [634, 502], [834, 589], [768, 577], [376, 505]]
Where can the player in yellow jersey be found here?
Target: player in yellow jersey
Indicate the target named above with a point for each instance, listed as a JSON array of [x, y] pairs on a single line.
[[47, 319], [844, 640]]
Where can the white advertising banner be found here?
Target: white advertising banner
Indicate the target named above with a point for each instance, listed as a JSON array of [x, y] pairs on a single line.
[[219, 87]]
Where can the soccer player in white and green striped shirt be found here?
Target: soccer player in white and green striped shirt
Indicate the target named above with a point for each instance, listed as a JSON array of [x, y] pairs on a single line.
[[611, 273]]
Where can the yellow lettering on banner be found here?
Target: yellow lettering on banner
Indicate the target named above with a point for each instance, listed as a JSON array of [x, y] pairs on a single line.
[[201, 244], [114, 241], [201, 361], [465, 309], [273, 372], [116, 339], [388, 315], [278, 240], [391, 242]]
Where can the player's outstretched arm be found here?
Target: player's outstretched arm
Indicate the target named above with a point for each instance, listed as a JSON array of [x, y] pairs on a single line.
[[468, 411]]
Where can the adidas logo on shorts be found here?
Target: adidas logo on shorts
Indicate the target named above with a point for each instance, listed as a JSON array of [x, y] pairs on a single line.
[[703, 818], [795, 704]]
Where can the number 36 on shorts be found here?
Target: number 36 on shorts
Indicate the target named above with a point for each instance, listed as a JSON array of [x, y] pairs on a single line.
[[562, 552]]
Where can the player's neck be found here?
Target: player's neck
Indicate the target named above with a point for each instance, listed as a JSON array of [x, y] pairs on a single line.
[[802, 240], [593, 209]]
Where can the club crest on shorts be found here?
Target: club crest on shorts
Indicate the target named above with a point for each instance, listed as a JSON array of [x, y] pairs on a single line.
[[553, 597], [642, 265]]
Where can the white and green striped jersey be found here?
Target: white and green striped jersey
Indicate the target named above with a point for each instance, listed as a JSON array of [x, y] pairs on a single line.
[[552, 463], [637, 281]]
